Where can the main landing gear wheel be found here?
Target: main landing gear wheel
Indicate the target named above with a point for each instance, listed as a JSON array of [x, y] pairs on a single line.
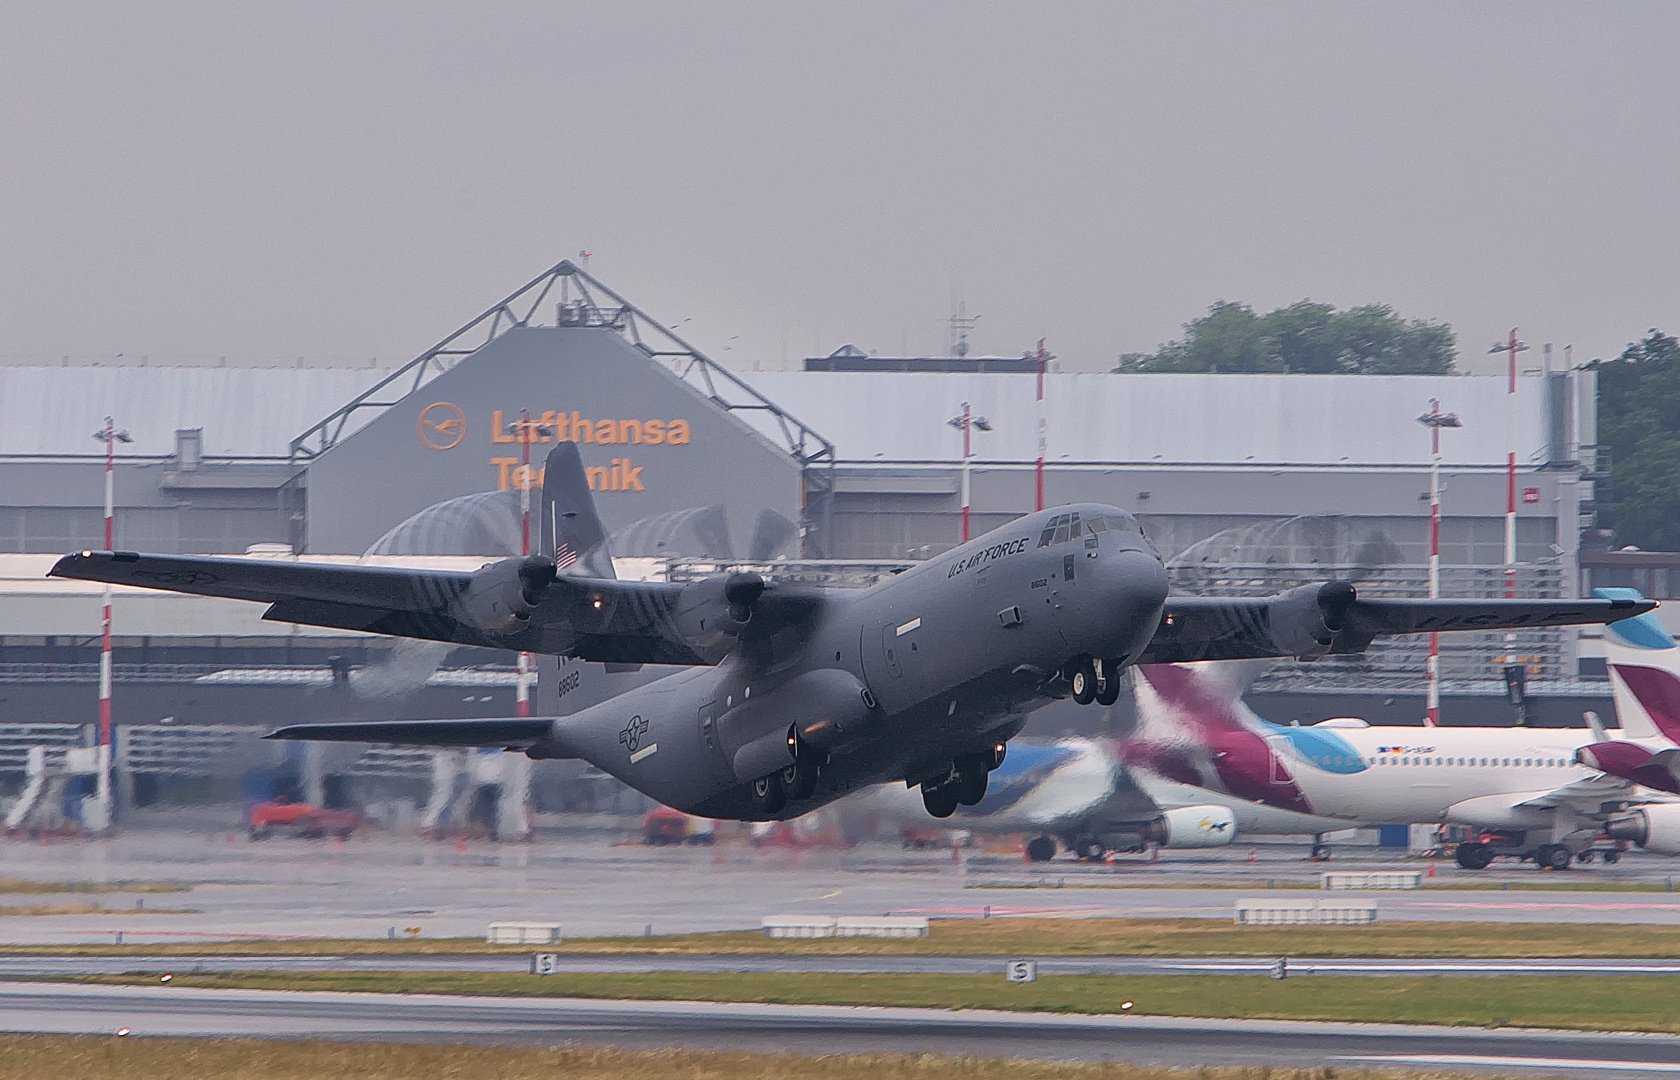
[[1041, 849], [1553, 857], [1474, 856], [1083, 679], [1089, 850], [1108, 692], [799, 780], [768, 794], [970, 777], [940, 801]]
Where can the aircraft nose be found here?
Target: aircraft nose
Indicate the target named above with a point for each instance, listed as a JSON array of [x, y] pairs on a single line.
[[1135, 588]]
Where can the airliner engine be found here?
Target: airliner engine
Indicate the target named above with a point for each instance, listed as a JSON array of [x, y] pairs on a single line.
[[1655, 828], [1194, 827]]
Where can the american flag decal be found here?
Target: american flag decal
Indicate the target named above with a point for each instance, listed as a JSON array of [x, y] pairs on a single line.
[[564, 556]]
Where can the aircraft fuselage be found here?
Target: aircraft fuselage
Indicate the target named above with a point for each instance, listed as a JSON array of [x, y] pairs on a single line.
[[940, 663]]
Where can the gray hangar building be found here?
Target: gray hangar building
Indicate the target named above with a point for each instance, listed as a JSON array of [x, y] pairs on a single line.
[[1248, 483]]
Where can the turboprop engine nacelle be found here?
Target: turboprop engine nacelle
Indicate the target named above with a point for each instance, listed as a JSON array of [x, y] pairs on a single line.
[[1655, 828], [1304, 622], [502, 595], [1194, 827]]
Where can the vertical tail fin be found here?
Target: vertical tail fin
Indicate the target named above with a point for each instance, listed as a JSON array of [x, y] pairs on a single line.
[[572, 532], [1644, 664]]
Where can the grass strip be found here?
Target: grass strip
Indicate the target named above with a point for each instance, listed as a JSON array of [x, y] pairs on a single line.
[[19, 885], [32, 1057], [1019, 937], [7, 910], [1587, 1002]]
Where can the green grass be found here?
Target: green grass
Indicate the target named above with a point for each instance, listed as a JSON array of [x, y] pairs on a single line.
[[1023, 937], [35, 1057], [19, 885], [1593, 1002]]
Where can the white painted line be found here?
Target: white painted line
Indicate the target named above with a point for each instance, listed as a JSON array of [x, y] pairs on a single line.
[[909, 626], [643, 752], [1521, 1062]]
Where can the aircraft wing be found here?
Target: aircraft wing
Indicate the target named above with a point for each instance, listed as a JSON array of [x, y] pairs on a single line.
[[509, 732], [1586, 795], [519, 604], [1315, 620]]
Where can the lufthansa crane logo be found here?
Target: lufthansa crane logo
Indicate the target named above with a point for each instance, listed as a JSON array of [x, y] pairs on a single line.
[[442, 426]]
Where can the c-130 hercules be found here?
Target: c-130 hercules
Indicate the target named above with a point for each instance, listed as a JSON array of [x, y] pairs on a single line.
[[794, 696]]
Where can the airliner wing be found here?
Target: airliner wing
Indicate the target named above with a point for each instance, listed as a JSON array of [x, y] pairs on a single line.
[[1315, 620], [1585, 795]]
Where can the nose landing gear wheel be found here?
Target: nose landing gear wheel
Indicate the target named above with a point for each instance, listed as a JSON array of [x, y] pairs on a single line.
[[1083, 679], [768, 794], [1109, 692]]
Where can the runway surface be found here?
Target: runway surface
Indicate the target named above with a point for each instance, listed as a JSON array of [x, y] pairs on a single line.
[[379, 885], [1165, 1041], [625, 964]]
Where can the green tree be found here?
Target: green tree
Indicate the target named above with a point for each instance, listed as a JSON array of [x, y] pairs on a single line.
[[1304, 337], [1639, 419]]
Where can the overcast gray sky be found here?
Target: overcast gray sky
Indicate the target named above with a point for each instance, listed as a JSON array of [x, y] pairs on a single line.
[[356, 179]]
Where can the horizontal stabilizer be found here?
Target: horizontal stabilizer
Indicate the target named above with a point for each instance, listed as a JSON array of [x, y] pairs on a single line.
[[512, 732]]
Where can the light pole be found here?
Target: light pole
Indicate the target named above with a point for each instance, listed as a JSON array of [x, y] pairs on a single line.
[[1511, 347], [110, 436], [1043, 427], [965, 421], [1435, 420]]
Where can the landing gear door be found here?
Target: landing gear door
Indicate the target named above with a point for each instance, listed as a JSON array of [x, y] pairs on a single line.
[[717, 761]]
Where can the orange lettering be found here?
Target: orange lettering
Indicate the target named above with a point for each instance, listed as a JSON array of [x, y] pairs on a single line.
[[630, 479], [678, 432], [598, 478], [606, 432], [583, 427], [654, 431], [630, 431], [502, 465], [548, 421], [497, 435]]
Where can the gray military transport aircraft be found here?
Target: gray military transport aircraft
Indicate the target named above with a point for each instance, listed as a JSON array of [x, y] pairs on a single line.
[[794, 696]]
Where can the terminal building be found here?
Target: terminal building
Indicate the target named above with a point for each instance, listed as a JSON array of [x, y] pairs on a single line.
[[1247, 484]]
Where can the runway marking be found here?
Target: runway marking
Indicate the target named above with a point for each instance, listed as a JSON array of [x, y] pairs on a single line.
[[1519, 1062], [829, 896]]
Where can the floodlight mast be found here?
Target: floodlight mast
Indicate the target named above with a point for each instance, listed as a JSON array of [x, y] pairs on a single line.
[[1435, 420], [110, 436], [966, 421]]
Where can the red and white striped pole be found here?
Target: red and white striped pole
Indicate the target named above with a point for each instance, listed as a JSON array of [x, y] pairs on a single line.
[[110, 435], [965, 430], [1435, 420], [1512, 348], [522, 690], [1043, 427], [967, 422]]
